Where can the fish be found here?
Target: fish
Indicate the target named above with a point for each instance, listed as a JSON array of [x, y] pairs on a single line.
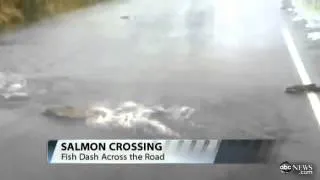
[[298, 89]]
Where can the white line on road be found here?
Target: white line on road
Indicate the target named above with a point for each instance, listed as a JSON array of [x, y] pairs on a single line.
[[305, 78]]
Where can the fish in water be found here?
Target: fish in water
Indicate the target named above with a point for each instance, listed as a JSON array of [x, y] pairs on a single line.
[[295, 89], [65, 112], [73, 113]]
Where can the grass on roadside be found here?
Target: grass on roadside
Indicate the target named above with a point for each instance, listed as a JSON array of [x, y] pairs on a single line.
[[311, 8], [14, 12]]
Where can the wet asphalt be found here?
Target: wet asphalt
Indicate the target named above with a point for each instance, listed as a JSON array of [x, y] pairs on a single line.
[[226, 59]]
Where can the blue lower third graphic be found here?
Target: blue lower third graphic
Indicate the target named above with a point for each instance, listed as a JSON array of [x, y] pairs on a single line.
[[176, 151]]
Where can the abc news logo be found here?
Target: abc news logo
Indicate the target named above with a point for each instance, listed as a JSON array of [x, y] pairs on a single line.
[[297, 168]]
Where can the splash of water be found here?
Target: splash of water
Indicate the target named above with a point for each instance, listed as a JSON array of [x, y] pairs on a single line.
[[131, 115], [314, 36], [298, 18], [12, 85]]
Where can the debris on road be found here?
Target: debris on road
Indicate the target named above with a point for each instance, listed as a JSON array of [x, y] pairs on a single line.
[[298, 89]]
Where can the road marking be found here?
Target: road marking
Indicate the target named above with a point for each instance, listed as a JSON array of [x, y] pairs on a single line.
[[305, 78]]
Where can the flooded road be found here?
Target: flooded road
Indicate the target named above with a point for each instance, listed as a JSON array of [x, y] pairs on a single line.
[[225, 61]]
